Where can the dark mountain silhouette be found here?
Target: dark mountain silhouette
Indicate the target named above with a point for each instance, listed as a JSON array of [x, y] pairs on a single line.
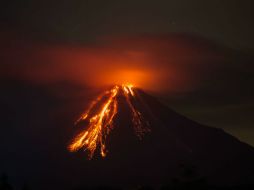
[[177, 152], [4, 183], [175, 143]]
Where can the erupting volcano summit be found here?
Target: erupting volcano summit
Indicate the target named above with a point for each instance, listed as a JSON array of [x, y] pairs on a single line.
[[100, 115]]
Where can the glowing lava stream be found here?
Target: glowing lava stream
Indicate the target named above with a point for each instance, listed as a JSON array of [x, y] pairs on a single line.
[[101, 122]]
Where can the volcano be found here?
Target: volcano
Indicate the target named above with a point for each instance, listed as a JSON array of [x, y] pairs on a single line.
[[167, 144]]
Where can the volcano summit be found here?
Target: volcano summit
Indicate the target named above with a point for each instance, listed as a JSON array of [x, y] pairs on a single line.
[[101, 122]]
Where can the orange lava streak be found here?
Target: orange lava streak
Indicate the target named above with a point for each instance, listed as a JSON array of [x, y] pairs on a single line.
[[85, 115], [101, 123], [99, 126], [140, 125]]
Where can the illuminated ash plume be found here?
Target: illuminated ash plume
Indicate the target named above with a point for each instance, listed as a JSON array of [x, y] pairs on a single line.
[[100, 115]]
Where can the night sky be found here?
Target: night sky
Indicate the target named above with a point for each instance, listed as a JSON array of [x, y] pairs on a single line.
[[228, 23], [199, 52]]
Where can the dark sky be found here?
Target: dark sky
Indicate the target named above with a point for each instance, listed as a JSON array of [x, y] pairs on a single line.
[[223, 96], [229, 23]]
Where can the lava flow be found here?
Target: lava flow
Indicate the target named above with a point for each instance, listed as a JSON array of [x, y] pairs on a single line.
[[100, 121]]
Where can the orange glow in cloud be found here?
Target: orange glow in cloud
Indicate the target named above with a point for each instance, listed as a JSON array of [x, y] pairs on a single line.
[[154, 63], [135, 77]]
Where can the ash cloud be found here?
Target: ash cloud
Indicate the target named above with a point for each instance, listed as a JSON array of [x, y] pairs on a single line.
[[175, 62]]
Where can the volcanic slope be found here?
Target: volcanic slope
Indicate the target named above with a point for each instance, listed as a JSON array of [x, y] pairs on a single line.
[[172, 142]]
